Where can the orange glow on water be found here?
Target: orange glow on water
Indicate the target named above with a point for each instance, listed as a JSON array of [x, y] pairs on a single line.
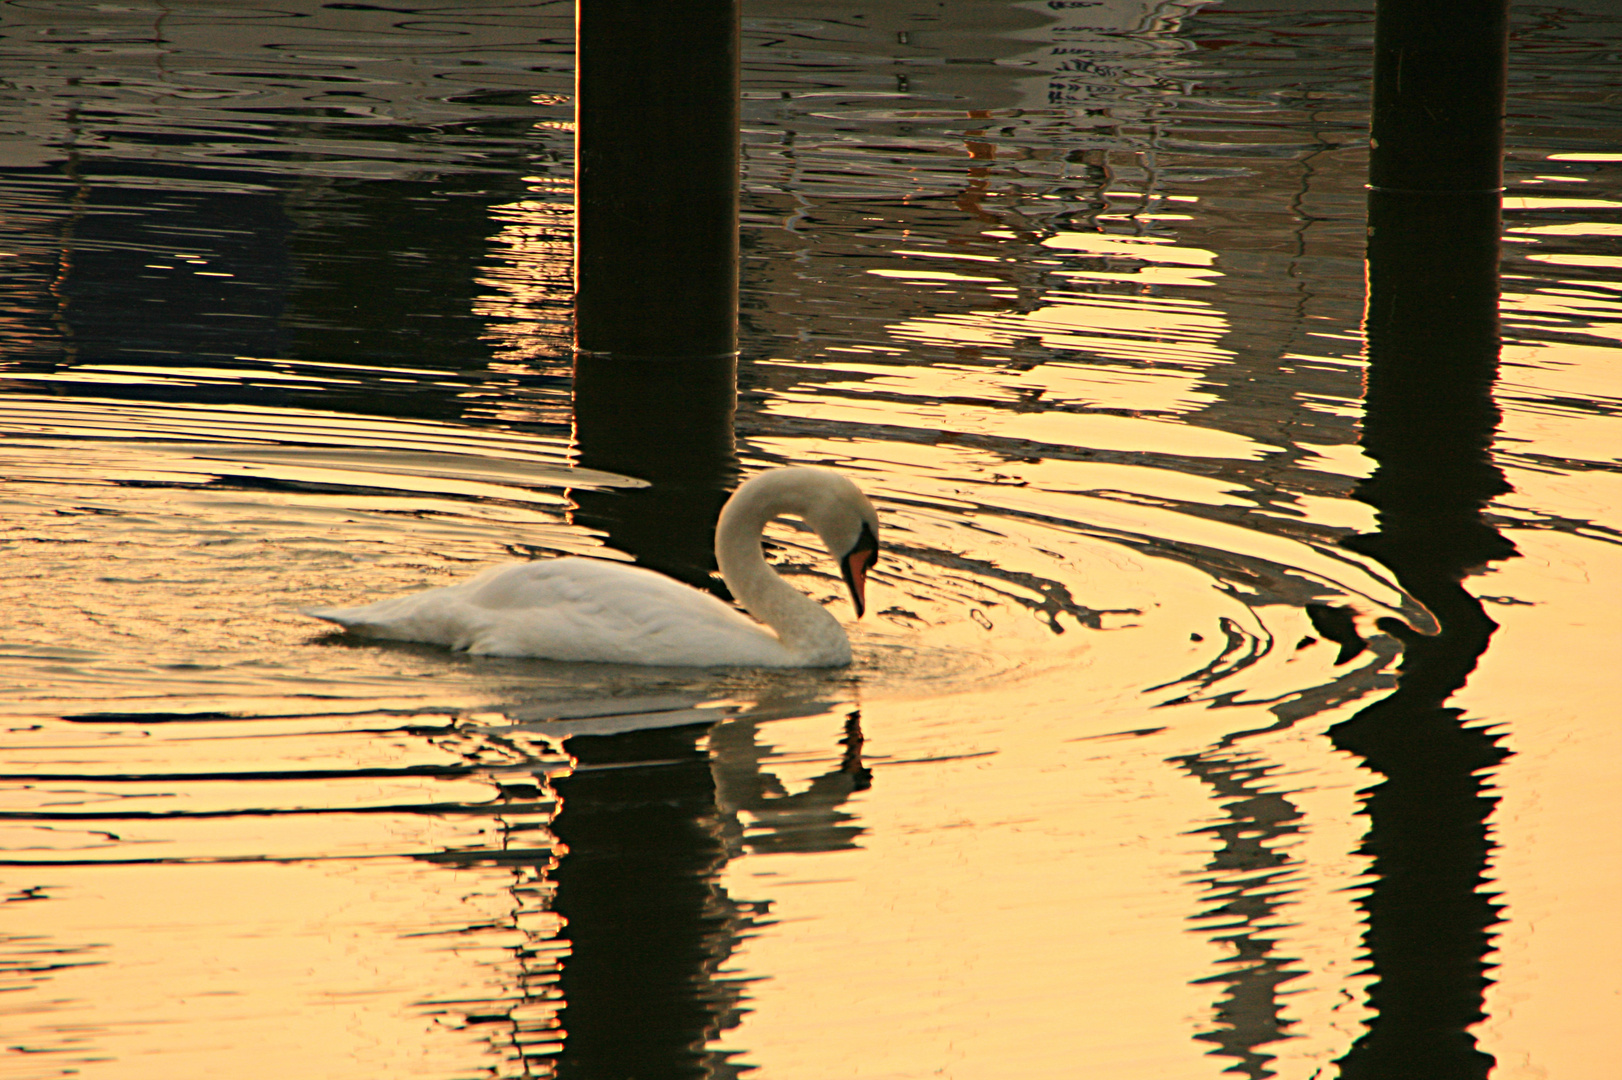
[[295, 332]]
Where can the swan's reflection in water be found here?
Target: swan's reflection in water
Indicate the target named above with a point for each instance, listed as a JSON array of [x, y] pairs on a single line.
[[626, 927], [809, 820]]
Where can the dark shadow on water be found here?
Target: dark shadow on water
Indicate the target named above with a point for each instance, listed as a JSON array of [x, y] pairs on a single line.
[[648, 925], [667, 422], [1433, 351], [626, 927]]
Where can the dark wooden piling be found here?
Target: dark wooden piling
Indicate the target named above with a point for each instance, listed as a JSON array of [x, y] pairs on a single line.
[[656, 159], [667, 422], [1436, 152], [656, 315], [656, 272]]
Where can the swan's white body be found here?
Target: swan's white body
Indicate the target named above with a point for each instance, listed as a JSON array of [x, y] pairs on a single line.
[[592, 610]]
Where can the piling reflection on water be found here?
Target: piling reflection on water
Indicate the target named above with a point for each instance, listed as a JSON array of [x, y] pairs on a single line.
[[1433, 344], [1075, 293]]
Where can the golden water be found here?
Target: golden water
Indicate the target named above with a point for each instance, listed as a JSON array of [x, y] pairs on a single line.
[[1077, 303]]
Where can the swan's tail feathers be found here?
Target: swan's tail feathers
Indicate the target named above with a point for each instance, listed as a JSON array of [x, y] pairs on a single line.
[[366, 619], [348, 618], [419, 618]]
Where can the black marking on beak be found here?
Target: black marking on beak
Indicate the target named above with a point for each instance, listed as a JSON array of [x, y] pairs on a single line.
[[855, 565]]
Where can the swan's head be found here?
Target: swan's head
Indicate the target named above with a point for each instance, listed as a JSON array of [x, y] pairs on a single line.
[[848, 526], [833, 507]]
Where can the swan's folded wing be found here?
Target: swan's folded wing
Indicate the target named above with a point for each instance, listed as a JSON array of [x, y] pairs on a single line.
[[571, 609], [588, 609]]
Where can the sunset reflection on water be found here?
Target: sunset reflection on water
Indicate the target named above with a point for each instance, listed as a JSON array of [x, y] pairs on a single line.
[[1079, 305]]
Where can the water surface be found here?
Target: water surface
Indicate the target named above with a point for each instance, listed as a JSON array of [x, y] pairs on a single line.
[[1074, 292]]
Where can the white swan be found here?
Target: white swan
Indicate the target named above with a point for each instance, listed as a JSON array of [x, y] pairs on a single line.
[[589, 609]]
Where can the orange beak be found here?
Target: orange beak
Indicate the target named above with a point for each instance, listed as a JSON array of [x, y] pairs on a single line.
[[856, 563]]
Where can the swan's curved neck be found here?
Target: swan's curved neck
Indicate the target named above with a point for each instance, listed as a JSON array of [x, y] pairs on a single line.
[[804, 627]]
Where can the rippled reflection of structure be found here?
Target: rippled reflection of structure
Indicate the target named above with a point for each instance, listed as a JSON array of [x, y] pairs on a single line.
[[1247, 894], [1432, 328], [624, 926]]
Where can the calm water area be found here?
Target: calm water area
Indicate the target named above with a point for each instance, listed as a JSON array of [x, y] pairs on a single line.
[[1128, 778]]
